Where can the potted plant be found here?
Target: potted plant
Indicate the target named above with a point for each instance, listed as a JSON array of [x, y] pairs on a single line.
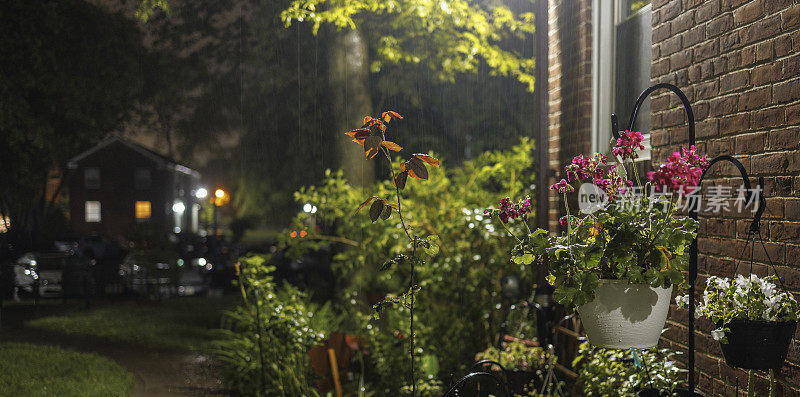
[[616, 263], [526, 366], [754, 320]]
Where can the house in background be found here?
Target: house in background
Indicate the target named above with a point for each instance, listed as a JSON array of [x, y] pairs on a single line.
[[119, 187]]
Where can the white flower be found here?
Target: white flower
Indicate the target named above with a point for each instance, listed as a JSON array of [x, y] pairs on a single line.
[[768, 289], [721, 283], [682, 300], [743, 283], [718, 334]]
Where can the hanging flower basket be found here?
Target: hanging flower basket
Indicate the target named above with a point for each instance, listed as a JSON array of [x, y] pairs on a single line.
[[625, 315], [757, 344], [754, 320]]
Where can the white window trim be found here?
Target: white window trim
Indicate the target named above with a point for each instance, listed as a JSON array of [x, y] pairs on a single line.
[[606, 15]]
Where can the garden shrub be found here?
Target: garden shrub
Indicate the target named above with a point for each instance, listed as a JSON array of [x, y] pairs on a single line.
[[457, 308], [612, 372], [289, 325]]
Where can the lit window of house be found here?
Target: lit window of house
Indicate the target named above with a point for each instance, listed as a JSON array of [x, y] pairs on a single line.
[[93, 211], [142, 178], [91, 178], [143, 210]]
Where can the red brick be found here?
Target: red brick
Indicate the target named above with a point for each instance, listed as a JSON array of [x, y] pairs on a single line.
[[762, 29], [792, 67], [784, 139], [748, 13], [787, 91], [734, 81], [661, 33], [683, 22], [680, 59], [694, 36], [671, 45], [728, 41], [670, 11], [764, 51], [771, 163], [754, 99], [766, 73], [735, 123], [751, 143], [706, 90], [724, 105], [793, 114], [706, 11], [718, 25], [783, 44], [706, 50], [767, 118], [792, 209], [659, 68], [790, 18]]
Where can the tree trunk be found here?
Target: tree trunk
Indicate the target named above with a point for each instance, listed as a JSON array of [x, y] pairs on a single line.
[[349, 84]]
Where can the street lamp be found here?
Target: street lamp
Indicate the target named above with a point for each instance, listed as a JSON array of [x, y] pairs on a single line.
[[220, 198], [201, 193]]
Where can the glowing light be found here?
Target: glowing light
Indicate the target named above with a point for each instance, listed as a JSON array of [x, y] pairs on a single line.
[[201, 193], [303, 233], [307, 207], [201, 261], [293, 234], [209, 266], [219, 193], [178, 207]]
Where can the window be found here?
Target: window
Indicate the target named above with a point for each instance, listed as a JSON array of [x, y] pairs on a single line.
[[142, 210], [93, 211], [142, 179], [91, 178], [621, 57]]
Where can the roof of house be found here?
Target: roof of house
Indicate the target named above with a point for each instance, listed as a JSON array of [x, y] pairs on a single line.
[[156, 157]]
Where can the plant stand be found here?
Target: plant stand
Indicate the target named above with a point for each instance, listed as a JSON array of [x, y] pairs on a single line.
[[755, 226]]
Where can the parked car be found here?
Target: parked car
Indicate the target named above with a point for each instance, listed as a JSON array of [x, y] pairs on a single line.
[[53, 274]]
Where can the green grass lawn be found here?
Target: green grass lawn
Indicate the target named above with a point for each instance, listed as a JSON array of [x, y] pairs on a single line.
[[173, 324], [36, 370]]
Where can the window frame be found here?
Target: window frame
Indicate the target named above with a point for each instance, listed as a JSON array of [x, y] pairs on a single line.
[[606, 16]]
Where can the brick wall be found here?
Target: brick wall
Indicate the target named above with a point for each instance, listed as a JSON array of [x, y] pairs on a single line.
[[739, 64], [570, 88]]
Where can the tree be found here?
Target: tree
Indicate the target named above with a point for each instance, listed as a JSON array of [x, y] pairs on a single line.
[[69, 74], [450, 36]]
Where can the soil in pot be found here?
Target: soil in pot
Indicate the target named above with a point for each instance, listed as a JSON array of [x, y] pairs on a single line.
[[757, 344]]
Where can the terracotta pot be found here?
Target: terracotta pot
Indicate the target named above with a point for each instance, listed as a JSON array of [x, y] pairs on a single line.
[[625, 315], [756, 344]]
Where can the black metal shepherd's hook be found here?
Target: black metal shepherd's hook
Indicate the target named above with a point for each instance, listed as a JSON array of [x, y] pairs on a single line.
[[693, 252]]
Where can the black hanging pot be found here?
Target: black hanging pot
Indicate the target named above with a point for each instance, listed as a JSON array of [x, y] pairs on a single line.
[[755, 344]]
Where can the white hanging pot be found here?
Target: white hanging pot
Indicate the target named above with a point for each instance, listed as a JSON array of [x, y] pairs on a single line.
[[625, 315]]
